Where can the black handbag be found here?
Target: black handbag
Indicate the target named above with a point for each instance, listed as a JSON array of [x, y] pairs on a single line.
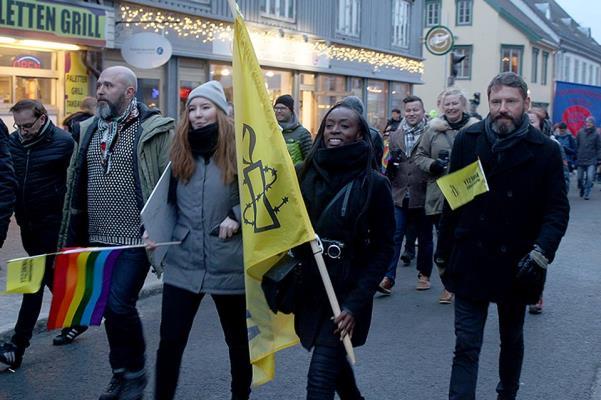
[[280, 285]]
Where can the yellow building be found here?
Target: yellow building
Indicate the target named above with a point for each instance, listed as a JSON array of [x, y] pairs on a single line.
[[495, 36]]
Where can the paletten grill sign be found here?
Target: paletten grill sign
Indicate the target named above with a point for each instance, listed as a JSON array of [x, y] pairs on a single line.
[[53, 20]]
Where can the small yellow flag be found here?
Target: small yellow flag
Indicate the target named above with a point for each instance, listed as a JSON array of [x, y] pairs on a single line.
[[24, 275], [462, 186], [274, 216]]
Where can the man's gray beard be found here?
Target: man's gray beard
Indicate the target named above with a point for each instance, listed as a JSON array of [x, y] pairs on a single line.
[[503, 129], [107, 110]]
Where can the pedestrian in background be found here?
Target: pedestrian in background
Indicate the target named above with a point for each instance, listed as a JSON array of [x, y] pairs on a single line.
[[40, 153], [568, 142], [71, 122], [433, 155], [209, 259], [122, 154], [8, 183], [393, 123], [588, 155], [408, 183], [297, 137], [497, 247], [351, 209]]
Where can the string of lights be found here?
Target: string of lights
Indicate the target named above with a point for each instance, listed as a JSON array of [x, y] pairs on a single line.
[[209, 31]]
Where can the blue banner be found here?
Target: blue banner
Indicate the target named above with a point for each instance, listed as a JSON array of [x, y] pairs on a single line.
[[574, 102]]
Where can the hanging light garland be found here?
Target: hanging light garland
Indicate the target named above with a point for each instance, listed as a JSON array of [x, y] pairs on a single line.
[[208, 31]]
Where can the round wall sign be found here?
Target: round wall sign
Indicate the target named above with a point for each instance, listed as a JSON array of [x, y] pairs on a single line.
[[439, 40], [146, 50]]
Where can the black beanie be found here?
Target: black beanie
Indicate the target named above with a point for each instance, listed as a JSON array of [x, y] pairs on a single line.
[[286, 100]]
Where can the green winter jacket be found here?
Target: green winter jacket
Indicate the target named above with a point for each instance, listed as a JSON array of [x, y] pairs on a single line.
[[297, 138]]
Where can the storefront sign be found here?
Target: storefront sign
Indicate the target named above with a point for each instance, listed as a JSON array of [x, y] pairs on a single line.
[[439, 40], [76, 82], [27, 62], [146, 50], [41, 19]]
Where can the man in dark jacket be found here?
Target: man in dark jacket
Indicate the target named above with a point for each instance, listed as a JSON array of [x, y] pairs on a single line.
[[121, 155], [496, 248], [393, 123], [297, 137], [41, 153], [8, 183], [588, 154]]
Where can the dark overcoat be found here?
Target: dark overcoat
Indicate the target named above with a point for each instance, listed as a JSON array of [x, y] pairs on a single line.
[[526, 205]]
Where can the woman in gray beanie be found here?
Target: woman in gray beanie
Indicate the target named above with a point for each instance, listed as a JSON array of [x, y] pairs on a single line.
[[204, 189]]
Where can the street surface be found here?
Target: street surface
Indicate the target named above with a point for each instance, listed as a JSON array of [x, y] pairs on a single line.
[[408, 353]]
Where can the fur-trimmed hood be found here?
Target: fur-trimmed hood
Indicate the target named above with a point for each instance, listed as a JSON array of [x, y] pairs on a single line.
[[441, 125]]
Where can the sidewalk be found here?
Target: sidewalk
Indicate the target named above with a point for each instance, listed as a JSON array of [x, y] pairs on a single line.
[[9, 304]]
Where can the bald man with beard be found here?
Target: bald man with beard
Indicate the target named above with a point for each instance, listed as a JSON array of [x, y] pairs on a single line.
[[122, 153]]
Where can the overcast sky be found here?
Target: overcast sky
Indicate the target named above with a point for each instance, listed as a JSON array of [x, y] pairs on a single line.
[[586, 12]]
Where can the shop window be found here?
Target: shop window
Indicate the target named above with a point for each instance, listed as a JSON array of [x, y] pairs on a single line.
[[23, 58], [149, 92], [356, 87], [398, 91], [307, 106], [349, 16], [279, 9], [5, 90], [400, 23], [330, 90], [222, 73], [432, 12], [464, 68], [34, 88], [377, 100], [511, 59], [464, 10], [277, 83]]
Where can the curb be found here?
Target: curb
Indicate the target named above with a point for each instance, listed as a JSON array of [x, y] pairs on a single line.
[[152, 289]]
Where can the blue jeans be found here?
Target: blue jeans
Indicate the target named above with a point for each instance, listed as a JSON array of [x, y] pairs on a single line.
[[412, 216], [586, 175], [470, 318], [122, 322]]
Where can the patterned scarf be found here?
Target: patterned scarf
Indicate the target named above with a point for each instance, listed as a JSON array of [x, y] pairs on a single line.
[[412, 134], [109, 131]]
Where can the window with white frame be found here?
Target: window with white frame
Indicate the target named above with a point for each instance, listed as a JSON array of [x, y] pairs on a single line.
[[432, 12], [463, 10], [280, 9], [511, 59], [566, 68], [598, 76], [349, 16], [464, 68], [590, 74], [400, 23], [544, 68], [583, 77], [535, 53], [576, 71]]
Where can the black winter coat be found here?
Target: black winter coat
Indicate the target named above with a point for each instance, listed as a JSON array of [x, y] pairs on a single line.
[[41, 170], [367, 251], [8, 183], [526, 205]]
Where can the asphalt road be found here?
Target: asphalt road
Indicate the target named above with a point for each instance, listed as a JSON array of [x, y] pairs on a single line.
[[408, 354]]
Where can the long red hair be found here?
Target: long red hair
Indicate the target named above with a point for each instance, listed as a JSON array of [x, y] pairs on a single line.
[[183, 163]]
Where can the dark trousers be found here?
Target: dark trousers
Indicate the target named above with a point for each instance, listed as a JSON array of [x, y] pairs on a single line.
[[412, 219], [470, 318], [330, 373], [35, 242], [122, 322], [177, 315]]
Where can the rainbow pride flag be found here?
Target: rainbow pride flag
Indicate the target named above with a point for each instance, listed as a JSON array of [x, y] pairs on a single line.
[[81, 287]]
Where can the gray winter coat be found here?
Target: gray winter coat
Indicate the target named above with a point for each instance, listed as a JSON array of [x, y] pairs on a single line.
[[588, 147], [203, 262]]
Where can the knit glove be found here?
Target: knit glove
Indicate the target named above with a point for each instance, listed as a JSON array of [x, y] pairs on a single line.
[[531, 275]]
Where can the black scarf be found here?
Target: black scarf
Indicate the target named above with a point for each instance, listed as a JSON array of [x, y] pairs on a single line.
[[459, 124], [203, 141], [502, 143]]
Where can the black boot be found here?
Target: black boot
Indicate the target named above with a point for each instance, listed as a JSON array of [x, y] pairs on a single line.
[[11, 355]]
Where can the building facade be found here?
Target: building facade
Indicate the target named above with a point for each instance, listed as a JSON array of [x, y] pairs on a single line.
[[49, 50], [317, 51], [495, 36]]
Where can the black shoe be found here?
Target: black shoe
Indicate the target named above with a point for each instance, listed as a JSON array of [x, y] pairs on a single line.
[[134, 384], [11, 355], [406, 259], [67, 335], [114, 388]]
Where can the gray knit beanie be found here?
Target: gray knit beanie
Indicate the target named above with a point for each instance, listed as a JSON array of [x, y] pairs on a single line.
[[211, 90]]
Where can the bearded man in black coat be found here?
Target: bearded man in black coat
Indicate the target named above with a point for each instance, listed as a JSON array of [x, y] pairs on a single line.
[[497, 247]]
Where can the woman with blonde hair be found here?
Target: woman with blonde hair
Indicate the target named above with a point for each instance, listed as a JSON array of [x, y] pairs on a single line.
[[433, 155], [204, 189]]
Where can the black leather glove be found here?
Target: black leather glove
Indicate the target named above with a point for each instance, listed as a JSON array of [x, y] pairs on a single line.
[[438, 167], [531, 275]]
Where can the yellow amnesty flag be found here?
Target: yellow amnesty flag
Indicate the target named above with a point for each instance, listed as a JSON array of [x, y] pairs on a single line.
[[24, 275], [461, 186], [274, 217]]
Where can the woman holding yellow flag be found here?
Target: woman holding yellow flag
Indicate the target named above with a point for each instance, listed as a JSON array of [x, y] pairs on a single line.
[[209, 259], [350, 207]]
